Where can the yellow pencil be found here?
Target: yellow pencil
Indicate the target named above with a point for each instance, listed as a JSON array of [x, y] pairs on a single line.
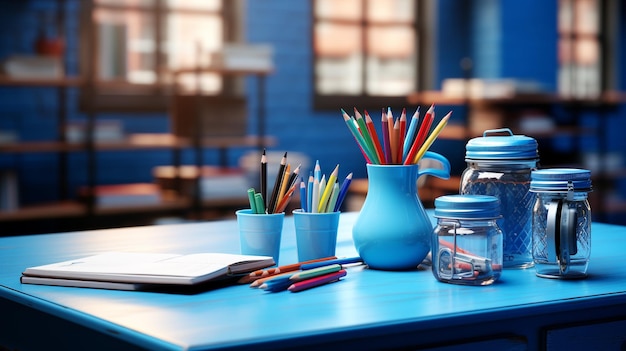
[[283, 185], [431, 138], [328, 189]]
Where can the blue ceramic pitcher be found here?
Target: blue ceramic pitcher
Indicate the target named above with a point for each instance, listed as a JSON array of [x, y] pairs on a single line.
[[392, 231]]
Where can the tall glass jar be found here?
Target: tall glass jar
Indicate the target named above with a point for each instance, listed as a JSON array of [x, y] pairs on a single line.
[[561, 222], [466, 246], [500, 165]]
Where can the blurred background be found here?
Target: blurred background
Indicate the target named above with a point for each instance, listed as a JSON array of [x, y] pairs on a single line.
[[131, 112]]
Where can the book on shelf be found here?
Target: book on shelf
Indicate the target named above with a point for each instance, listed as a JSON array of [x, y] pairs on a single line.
[[145, 271]]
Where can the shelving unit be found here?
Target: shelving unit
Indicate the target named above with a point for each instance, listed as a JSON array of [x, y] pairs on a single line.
[[507, 108], [70, 209]]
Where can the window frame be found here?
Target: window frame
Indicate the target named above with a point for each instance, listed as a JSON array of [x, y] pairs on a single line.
[[122, 96], [424, 17]]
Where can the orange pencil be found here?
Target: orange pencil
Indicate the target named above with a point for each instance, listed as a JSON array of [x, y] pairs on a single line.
[[282, 269]]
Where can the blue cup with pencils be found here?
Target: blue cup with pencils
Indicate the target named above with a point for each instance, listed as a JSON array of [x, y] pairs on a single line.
[[316, 234], [260, 233]]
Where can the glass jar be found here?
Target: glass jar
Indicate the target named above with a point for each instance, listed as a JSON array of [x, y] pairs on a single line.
[[561, 222], [500, 165], [466, 246]]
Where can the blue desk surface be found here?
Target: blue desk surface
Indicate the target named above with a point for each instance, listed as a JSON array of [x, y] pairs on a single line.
[[367, 303]]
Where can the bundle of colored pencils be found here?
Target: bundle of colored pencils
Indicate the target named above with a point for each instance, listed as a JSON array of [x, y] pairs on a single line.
[[400, 144], [284, 187], [323, 194]]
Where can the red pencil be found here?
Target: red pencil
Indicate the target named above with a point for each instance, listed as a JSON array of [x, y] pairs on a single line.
[[421, 135], [387, 147], [317, 281], [372, 129], [282, 269], [402, 135]]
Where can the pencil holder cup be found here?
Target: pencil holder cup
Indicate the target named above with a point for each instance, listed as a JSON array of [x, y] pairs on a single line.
[[260, 234], [392, 231], [316, 234]]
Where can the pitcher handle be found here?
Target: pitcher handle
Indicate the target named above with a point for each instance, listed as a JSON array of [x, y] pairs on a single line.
[[443, 173]]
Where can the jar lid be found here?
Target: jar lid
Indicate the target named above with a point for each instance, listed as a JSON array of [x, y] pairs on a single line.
[[467, 207], [501, 147], [560, 179]]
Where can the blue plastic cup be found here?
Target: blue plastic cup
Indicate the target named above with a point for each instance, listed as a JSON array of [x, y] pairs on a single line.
[[260, 234], [316, 234]]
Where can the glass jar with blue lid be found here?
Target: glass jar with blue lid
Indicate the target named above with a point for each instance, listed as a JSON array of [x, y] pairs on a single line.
[[561, 222], [466, 246], [499, 164]]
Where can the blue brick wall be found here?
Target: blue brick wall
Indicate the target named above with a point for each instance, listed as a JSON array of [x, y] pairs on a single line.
[[500, 48]]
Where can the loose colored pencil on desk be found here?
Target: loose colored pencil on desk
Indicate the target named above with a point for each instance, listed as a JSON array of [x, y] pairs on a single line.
[[317, 281], [285, 280], [261, 273], [340, 261]]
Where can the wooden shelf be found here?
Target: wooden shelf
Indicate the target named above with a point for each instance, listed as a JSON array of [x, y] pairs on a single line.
[[440, 98], [45, 211], [44, 82], [135, 142]]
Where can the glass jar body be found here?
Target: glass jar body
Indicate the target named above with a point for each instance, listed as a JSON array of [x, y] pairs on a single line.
[[508, 180], [467, 252], [561, 235]]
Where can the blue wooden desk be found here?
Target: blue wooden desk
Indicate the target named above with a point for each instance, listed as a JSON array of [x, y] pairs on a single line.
[[368, 309]]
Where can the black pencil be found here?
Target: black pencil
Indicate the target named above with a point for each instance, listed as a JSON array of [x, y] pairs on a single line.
[[264, 178], [277, 184]]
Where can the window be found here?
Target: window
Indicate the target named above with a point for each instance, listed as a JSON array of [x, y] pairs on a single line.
[[135, 45], [367, 52], [580, 48]]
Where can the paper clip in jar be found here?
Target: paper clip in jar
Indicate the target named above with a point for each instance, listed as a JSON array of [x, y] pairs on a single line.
[[467, 242]]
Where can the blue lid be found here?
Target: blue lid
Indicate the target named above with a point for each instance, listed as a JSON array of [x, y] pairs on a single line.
[[501, 147], [467, 207], [558, 179]]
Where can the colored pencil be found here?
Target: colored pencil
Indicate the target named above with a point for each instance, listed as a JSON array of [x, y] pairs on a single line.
[[357, 135], [252, 201], [315, 272], [432, 137], [340, 261], [309, 193], [421, 135], [317, 281], [276, 189], [280, 207], [401, 136], [386, 146], [343, 191], [372, 130], [258, 200], [303, 202], [283, 186], [362, 124], [333, 198], [410, 134], [285, 268], [315, 198], [328, 189]]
